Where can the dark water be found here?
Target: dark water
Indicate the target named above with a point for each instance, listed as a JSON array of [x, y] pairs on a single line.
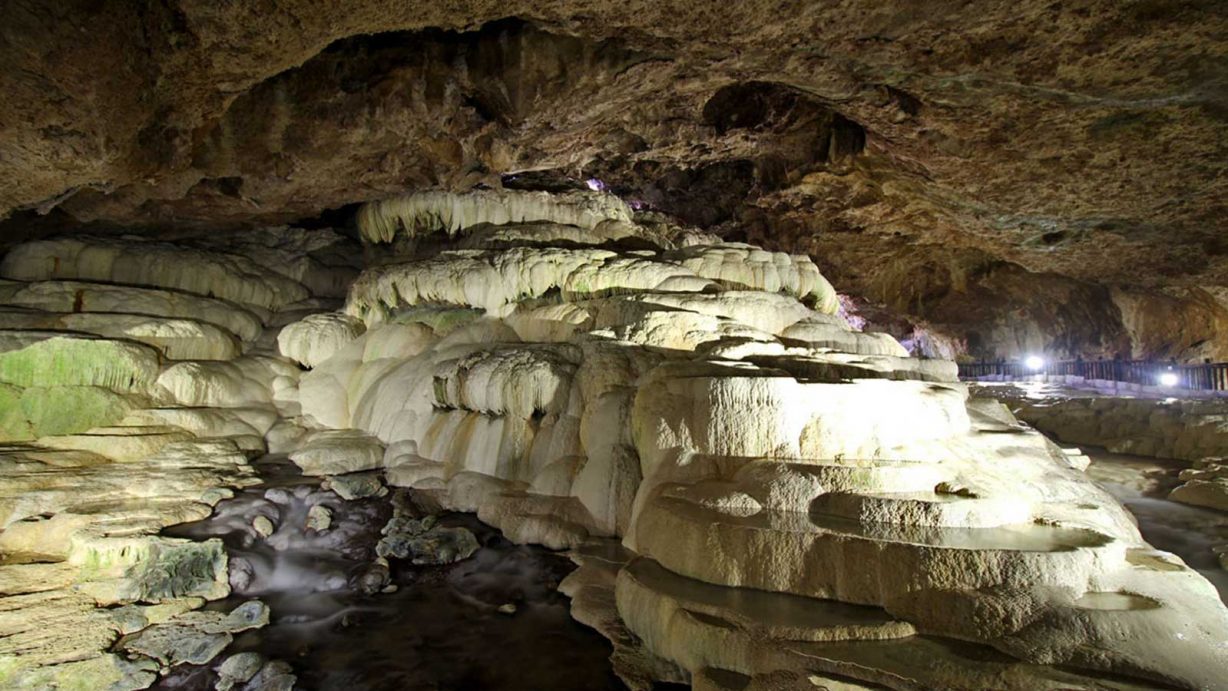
[[440, 629]]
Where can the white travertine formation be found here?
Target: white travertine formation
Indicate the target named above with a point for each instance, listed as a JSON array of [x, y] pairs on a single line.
[[247, 381], [79, 296], [50, 358], [748, 448], [316, 338], [321, 260], [125, 409], [492, 280], [84, 564], [140, 262], [1189, 430], [740, 266], [428, 212], [824, 334], [336, 452], [487, 236], [1205, 484], [177, 339], [760, 497]]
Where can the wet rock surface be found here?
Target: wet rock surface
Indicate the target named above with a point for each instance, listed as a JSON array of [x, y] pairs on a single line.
[[421, 540], [1205, 484]]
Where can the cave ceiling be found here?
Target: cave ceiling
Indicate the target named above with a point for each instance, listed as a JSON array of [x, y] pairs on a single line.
[[891, 140]]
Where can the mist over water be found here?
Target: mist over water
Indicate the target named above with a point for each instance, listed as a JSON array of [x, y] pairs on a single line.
[[441, 627]]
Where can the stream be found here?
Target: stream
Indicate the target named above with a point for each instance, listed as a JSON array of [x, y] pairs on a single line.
[[1142, 484], [496, 619], [492, 621]]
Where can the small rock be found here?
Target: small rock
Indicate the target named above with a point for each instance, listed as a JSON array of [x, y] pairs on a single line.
[[249, 615], [356, 485], [237, 669], [275, 675], [509, 608], [319, 518], [1221, 552], [375, 577], [241, 574], [437, 545], [263, 526], [1206, 493], [278, 495]]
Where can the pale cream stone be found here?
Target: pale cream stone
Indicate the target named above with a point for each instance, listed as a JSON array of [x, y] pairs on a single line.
[[336, 452], [316, 338], [141, 262], [84, 297], [427, 212]]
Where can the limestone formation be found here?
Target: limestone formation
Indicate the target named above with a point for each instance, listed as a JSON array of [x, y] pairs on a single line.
[[337, 452], [707, 407], [318, 337], [132, 398], [758, 495], [1189, 430], [1206, 484], [429, 212], [231, 277], [195, 637], [83, 297]]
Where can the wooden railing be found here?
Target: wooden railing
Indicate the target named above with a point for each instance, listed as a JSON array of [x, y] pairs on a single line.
[[1208, 376]]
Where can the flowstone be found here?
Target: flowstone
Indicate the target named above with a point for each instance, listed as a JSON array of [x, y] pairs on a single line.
[[799, 500], [759, 495], [131, 400]]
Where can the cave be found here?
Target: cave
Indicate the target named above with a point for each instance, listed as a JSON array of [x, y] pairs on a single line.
[[616, 346]]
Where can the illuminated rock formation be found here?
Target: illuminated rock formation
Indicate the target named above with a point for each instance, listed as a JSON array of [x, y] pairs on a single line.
[[758, 495], [127, 405], [785, 486]]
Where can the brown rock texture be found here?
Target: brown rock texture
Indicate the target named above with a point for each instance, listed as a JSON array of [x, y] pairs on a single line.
[[1024, 174]]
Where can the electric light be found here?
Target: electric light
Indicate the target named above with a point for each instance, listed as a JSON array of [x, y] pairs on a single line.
[[1034, 362], [1169, 379]]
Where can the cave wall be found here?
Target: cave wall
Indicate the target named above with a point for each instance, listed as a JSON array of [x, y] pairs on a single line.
[[1083, 144]]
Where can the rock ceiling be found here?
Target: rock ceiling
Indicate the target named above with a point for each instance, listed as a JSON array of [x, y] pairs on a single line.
[[932, 156]]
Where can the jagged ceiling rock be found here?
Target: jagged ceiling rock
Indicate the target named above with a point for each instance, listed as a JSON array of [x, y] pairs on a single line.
[[1085, 141]]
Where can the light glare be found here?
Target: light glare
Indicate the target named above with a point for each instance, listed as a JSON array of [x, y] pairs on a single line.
[[1034, 362], [1168, 379]]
